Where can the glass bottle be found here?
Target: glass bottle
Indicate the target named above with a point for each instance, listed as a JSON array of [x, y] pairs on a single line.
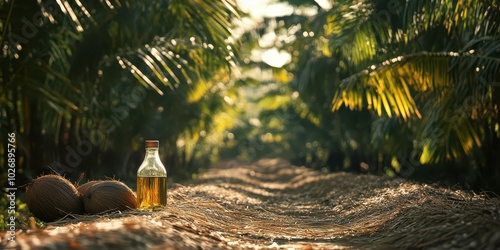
[[151, 178]]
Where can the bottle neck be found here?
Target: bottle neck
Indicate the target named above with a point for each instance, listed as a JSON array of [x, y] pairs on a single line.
[[151, 152]]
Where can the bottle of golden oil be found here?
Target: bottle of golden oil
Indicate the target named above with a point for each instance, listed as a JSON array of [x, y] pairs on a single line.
[[151, 179]]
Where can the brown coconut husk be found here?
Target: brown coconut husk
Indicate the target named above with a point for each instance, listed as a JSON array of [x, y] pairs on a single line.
[[108, 196], [51, 197], [83, 188]]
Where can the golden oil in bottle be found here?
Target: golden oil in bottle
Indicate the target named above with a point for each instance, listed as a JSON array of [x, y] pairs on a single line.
[[151, 179], [151, 191]]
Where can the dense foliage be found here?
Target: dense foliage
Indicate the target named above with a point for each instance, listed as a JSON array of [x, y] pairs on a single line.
[[401, 87], [84, 84]]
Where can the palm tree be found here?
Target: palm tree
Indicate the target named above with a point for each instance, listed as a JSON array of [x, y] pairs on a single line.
[[76, 73], [428, 68]]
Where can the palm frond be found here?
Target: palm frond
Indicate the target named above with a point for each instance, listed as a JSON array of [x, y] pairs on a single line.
[[356, 31], [474, 18], [386, 87]]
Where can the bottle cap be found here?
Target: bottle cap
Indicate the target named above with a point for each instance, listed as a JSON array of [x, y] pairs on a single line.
[[152, 143]]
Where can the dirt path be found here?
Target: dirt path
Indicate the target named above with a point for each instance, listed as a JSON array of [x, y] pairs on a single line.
[[270, 204]]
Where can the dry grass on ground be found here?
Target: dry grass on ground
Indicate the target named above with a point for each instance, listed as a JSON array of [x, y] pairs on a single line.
[[270, 204]]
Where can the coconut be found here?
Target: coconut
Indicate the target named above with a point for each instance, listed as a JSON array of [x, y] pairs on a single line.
[[108, 196], [51, 197], [83, 188]]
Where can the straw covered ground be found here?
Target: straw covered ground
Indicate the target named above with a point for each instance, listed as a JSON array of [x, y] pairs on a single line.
[[270, 204]]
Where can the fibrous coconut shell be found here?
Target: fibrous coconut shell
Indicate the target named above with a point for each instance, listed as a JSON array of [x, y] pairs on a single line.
[[83, 188], [108, 196], [51, 197]]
